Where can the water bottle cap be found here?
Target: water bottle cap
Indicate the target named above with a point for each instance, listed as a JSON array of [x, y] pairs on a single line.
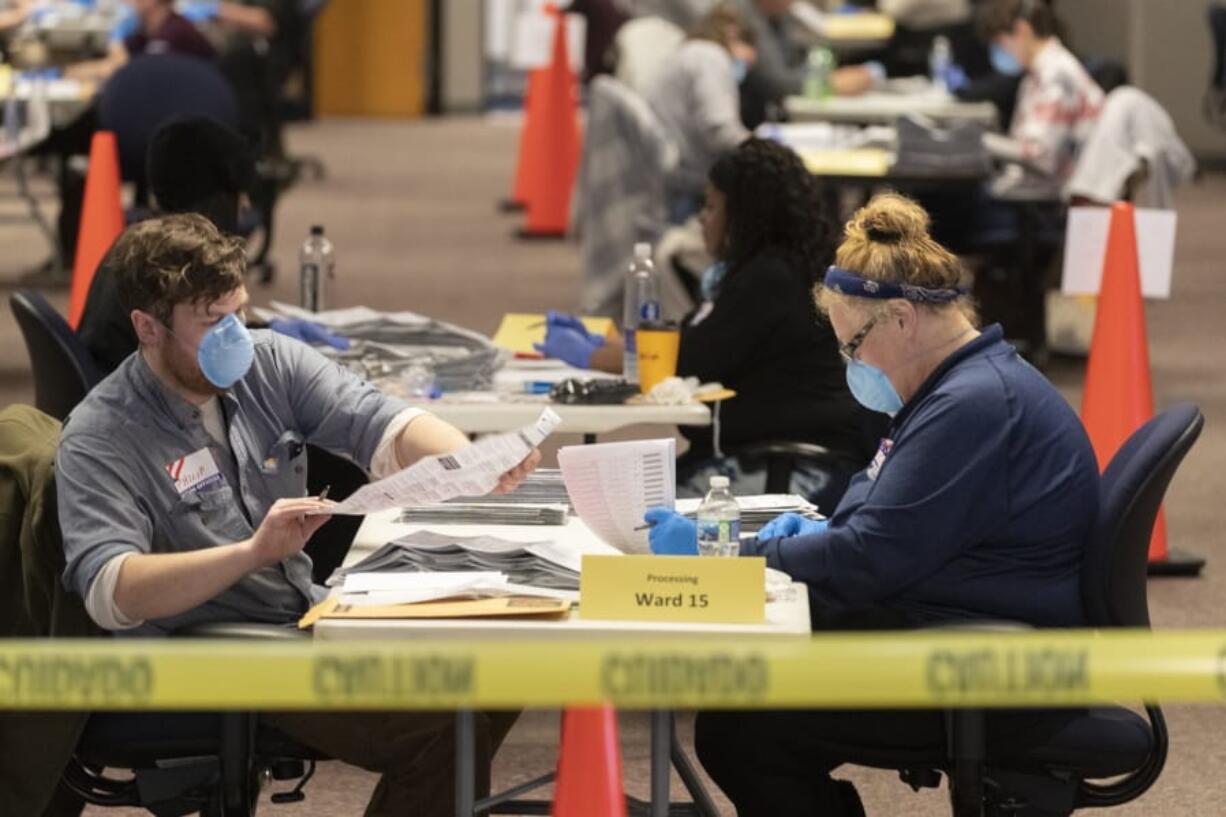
[[317, 230], [642, 251], [719, 482]]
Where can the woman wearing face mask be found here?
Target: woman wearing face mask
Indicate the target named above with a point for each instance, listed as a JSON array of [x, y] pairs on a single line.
[[696, 96], [757, 331], [977, 505]]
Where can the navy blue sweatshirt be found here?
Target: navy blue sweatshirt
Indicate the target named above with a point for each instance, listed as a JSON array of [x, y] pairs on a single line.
[[978, 505]]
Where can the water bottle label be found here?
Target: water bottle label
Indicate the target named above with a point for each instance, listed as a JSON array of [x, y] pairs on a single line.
[[723, 531], [650, 311]]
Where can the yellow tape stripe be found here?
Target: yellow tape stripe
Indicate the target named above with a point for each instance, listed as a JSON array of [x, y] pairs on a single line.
[[846, 670]]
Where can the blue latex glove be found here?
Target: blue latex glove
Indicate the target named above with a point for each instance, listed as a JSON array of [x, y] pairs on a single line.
[[567, 339], [308, 332], [200, 11], [671, 533], [791, 524]]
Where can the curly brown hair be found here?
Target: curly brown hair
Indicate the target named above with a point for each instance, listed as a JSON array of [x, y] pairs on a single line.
[[773, 201], [175, 259]]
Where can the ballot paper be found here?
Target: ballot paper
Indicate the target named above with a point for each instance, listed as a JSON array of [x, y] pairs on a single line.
[[471, 471], [758, 509], [544, 564], [377, 589], [611, 486]]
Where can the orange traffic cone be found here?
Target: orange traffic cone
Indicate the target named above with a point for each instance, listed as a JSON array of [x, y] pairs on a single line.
[[553, 143], [589, 766], [101, 220], [524, 172], [1118, 397]]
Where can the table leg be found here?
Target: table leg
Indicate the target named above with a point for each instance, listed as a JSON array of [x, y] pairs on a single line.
[[588, 439], [465, 773], [661, 760], [703, 804]]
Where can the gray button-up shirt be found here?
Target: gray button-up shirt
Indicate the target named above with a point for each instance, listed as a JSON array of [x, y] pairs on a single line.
[[116, 493]]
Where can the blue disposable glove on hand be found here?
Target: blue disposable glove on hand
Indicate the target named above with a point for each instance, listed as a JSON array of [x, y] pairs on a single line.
[[791, 524], [671, 533], [567, 339], [308, 332]]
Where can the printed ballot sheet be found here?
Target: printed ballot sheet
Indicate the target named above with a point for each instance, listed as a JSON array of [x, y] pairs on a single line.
[[611, 486], [471, 471]]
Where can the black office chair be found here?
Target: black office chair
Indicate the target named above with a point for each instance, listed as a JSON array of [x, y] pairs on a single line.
[[64, 371], [781, 458], [187, 762], [1044, 762]]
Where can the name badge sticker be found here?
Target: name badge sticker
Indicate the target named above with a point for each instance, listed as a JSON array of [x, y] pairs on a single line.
[[194, 472], [883, 452]]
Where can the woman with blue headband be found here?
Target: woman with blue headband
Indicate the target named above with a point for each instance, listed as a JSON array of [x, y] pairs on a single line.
[[978, 505]]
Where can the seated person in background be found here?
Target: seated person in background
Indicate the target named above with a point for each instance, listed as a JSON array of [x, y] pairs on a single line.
[[196, 165], [757, 330], [1057, 103], [978, 505], [153, 27], [181, 487], [695, 94]]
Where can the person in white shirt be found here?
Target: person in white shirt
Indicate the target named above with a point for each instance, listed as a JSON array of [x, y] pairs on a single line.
[[1058, 102]]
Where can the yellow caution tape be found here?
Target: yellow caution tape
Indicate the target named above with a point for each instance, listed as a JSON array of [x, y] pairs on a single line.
[[916, 669]]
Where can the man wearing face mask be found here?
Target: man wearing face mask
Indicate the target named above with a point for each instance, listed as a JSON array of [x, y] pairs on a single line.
[[182, 476], [977, 505]]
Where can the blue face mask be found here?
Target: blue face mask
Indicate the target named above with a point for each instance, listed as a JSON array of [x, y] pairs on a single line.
[[1003, 61], [871, 388], [225, 352], [740, 69]]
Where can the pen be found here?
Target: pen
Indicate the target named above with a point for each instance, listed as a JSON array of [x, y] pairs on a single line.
[[643, 527], [324, 493]]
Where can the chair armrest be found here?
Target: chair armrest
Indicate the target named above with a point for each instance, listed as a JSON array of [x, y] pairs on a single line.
[[242, 630]]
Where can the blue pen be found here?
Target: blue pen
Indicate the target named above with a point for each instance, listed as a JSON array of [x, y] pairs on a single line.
[[537, 387]]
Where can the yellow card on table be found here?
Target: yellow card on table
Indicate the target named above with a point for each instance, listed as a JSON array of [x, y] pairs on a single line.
[[848, 162], [699, 589], [518, 331]]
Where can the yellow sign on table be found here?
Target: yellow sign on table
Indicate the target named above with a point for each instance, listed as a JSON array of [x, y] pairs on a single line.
[[710, 589], [518, 331]]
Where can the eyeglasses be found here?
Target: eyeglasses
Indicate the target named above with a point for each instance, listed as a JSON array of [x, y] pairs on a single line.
[[848, 350]]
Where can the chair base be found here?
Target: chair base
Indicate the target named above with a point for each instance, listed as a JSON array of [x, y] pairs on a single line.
[[1178, 563], [511, 206]]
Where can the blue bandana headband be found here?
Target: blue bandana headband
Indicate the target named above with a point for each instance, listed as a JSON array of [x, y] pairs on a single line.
[[847, 282]]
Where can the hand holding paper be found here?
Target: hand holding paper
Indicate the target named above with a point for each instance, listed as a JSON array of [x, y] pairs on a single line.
[[496, 463]]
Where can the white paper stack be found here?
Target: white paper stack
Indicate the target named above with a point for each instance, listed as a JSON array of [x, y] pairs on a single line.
[[758, 509], [611, 486], [378, 589]]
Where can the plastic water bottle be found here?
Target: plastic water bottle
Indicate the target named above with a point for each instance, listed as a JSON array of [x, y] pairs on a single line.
[[317, 265], [719, 521], [819, 68], [642, 303], [939, 61]]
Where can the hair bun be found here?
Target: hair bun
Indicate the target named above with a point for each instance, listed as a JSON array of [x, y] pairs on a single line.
[[892, 219]]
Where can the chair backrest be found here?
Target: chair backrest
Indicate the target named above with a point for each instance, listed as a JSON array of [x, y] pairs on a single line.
[[64, 371], [153, 88], [1114, 574]]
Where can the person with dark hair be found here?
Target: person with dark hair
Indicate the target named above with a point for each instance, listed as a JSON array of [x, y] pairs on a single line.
[[182, 479], [195, 165], [757, 331], [1057, 103], [152, 27]]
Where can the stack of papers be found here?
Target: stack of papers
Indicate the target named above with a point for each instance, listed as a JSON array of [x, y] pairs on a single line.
[[471, 471], [380, 589], [480, 513], [759, 509], [539, 565], [611, 486], [544, 486]]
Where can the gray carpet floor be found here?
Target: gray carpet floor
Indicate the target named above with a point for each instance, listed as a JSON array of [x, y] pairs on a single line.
[[411, 209]]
